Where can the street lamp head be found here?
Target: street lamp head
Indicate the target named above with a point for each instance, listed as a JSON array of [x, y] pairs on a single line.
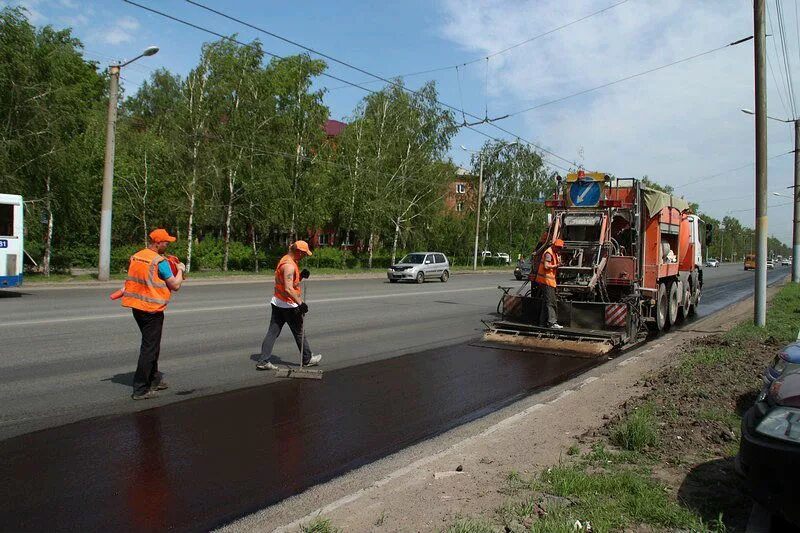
[[150, 51], [748, 111]]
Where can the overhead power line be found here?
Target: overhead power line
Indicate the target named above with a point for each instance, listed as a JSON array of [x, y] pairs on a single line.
[[393, 83], [726, 172], [504, 50], [482, 120], [632, 76]]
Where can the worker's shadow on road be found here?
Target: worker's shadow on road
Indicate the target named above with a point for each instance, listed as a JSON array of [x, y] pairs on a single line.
[[276, 359], [121, 379]]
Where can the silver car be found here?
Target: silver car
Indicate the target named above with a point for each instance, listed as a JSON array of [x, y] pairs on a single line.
[[420, 266]]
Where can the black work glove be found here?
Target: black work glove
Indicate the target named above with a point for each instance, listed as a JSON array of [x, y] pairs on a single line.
[[304, 273], [303, 308]]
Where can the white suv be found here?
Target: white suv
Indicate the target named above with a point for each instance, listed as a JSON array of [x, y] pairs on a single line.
[[419, 266]]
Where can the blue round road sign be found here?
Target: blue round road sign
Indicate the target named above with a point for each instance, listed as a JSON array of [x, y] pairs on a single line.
[[585, 193]]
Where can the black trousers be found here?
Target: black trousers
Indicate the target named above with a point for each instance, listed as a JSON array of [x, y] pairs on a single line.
[[549, 311], [281, 316], [147, 375]]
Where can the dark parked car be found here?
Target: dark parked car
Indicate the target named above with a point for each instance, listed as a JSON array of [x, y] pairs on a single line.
[[785, 362], [523, 269], [769, 452]]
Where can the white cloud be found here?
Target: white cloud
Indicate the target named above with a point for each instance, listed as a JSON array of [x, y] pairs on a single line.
[[69, 4], [673, 125], [122, 31]]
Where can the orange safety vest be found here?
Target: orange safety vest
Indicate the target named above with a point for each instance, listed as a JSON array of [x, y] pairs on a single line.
[[546, 274], [144, 290], [280, 283]]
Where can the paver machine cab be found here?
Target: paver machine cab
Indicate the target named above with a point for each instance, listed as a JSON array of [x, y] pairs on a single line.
[[631, 259]]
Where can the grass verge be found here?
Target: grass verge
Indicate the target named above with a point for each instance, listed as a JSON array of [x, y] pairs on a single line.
[[664, 462]]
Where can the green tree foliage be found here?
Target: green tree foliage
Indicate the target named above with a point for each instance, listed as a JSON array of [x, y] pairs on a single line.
[[51, 104]]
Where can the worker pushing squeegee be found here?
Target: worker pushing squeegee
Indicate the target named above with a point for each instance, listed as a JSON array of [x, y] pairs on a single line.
[[288, 307]]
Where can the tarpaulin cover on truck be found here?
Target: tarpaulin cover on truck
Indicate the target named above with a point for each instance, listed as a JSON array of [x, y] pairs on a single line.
[[657, 200]]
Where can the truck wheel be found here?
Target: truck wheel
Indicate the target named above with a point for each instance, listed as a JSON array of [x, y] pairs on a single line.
[[673, 303], [661, 308], [420, 277], [683, 310]]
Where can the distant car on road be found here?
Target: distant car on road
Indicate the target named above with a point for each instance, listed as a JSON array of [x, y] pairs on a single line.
[[769, 451], [711, 262], [523, 269], [770, 264], [786, 262], [419, 266], [750, 262], [505, 258]]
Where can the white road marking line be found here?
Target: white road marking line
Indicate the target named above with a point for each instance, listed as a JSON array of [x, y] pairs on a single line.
[[264, 303]]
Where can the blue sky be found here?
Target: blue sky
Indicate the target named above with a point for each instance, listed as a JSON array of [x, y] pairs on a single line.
[[675, 125]]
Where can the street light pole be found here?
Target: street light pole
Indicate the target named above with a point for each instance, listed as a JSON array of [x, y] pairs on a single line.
[[796, 196], [104, 263], [104, 267], [478, 216], [759, 27]]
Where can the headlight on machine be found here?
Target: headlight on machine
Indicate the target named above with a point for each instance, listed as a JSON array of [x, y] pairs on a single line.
[[781, 423]]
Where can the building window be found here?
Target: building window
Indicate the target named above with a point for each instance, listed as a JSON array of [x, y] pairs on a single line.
[[461, 188], [460, 206], [323, 239]]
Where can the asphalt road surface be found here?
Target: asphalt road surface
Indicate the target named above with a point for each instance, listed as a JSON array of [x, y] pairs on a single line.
[[69, 353]]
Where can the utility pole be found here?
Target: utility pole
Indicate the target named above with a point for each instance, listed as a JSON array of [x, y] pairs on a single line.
[[760, 292], [104, 263], [796, 196], [104, 266], [478, 216]]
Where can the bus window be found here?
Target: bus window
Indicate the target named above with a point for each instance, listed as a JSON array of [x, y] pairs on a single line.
[[6, 220]]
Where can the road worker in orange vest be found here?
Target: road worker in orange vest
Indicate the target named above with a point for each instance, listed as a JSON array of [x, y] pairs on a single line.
[[288, 307], [147, 291], [546, 278]]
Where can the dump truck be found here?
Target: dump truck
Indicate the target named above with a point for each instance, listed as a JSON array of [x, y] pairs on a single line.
[[631, 261]]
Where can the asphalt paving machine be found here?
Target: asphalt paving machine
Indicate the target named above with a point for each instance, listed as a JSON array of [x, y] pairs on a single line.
[[632, 260]]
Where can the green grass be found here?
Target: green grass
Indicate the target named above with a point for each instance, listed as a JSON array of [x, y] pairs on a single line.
[[783, 319], [638, 430], [611, 500], [319, 525]]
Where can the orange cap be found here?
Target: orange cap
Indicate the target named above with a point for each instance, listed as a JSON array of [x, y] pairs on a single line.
[[302, 246], [161, 235], [558, 243]]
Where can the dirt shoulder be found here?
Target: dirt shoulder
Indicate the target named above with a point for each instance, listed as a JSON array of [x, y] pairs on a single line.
[[462, 480]]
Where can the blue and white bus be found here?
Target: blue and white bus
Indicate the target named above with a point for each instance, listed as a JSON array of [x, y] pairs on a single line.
[[11, 245]]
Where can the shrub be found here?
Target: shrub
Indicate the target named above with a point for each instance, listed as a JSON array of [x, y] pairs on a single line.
[[121, 255]]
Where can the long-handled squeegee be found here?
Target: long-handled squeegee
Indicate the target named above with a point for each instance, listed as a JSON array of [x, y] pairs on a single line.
[[301, 372]]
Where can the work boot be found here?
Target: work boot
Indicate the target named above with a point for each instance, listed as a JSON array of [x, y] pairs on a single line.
[[144, 395], [556, 325], [266, 365], [314, 361]]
